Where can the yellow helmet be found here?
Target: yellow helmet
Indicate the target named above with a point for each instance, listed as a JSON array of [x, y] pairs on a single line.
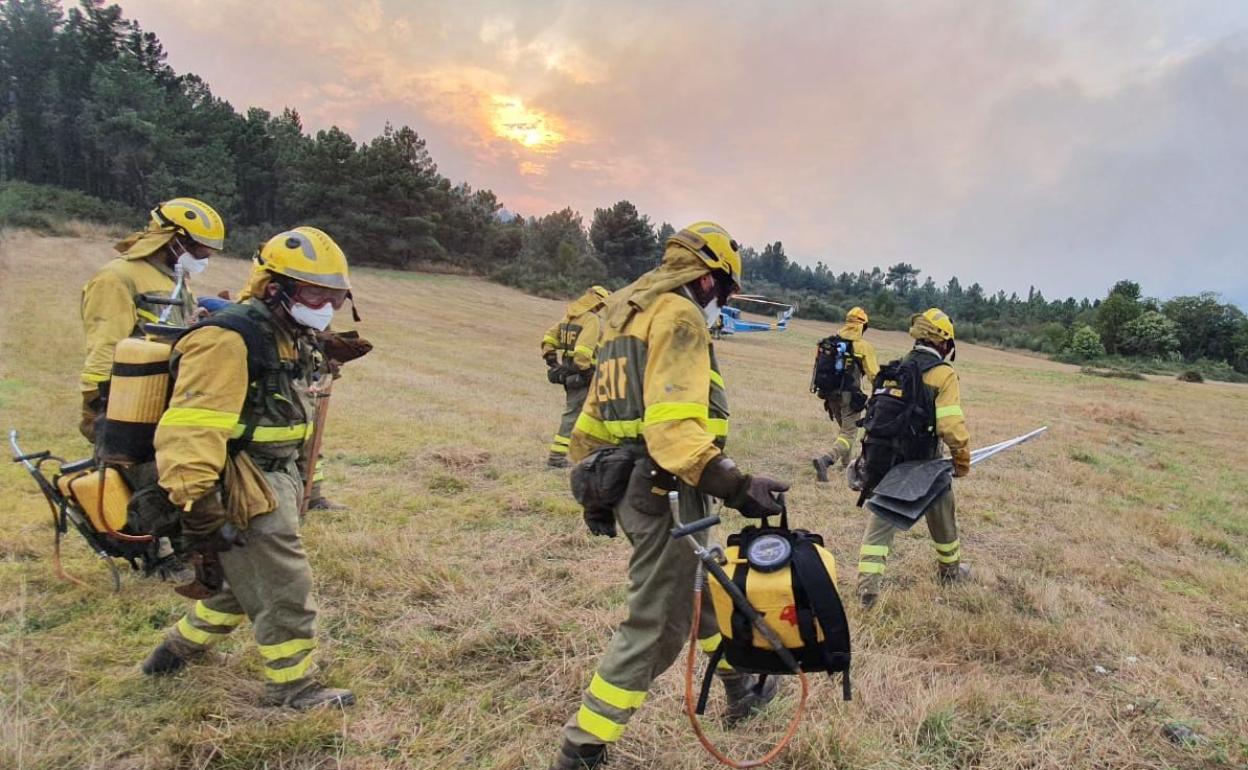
[[194, 218], [932, 324], [601, 291], [857, 315], [714, 245], [306, 254]]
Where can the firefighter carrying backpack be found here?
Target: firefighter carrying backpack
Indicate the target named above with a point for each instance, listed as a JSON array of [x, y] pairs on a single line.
[[900, 423], [835, 367]]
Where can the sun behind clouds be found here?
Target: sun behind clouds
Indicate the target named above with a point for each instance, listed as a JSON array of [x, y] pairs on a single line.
[[530, 128]]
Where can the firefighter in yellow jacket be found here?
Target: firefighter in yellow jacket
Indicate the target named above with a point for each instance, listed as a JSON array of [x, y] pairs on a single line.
[[657, 397], [575, 338], [845, 406], [124, 294], [239, 411], [933, 350]]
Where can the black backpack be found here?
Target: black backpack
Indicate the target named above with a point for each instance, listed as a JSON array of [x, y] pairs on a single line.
[[836, 369], [900, 422]]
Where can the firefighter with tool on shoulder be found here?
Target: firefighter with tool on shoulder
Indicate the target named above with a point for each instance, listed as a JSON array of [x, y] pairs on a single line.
[[843, 363], [570, 349], [902, 426], [656, 419], [228, 449], [128, 291]]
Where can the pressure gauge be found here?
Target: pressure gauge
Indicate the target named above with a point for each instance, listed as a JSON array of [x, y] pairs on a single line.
[[769, 553]]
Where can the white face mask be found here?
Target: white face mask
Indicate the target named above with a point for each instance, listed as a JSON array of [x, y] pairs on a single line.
[[314, 318], [711, 312], [190, 265]]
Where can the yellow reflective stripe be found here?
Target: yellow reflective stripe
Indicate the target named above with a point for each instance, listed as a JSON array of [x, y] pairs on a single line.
[[147, 314], [549, 340], [196, 635], [290, 673], [718, 426], [215, 618], [616, 697], [718, 379], [562, 440], [710, 643], [272, 434], [845, 441], [592, 426], [950, 559], [871, 567], [319, 473], [194, 417], [669, 411], [947, 547], [598, 726], [948, 411], [618, 429], [285, 649], [584, 350], [873, 550], [96, 377], [558, 449]]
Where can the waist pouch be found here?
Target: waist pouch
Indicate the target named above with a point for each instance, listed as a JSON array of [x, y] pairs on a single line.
[[247, 492], [600, 480], [648, 486]]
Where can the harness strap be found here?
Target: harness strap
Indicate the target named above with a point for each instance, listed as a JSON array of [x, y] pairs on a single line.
[[709, 678], [826, 603]]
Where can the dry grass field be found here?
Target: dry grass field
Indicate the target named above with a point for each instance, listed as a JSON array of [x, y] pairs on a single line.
[[466, 605]]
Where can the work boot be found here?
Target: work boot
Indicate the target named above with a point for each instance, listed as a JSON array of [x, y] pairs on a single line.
[[821, 464], [309, 697], [574, 757], [557, 460], [746, 697], [164, 660], [322, 503], [954, 573], [853, 476], [868, 600]]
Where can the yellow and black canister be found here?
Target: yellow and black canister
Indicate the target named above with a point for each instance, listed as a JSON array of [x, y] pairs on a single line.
[[137, 396]]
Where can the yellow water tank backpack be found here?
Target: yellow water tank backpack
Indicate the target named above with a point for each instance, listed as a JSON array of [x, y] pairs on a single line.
[[790, 579]]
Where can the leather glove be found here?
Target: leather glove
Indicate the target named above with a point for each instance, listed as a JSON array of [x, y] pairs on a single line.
[[220, 541], [753, 496], [556, 375], [342, 347], [204, 517], [961, 462], [601, 521], [577, 379], [552, 359], [92, 408]]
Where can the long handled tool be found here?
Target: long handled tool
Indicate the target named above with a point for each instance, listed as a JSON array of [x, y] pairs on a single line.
[[908, 489], [321, 394], [710, 560]]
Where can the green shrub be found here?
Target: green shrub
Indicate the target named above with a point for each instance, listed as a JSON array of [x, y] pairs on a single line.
[[1085, 344], [47, 209]]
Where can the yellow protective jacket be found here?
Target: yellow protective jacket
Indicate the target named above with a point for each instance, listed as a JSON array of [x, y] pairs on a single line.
[[656, 383], [216, 409], [114, 306], [950, 420], [864, 352], [578, 334]]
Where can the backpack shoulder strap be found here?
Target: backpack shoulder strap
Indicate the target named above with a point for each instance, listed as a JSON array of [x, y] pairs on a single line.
[[826, 603]]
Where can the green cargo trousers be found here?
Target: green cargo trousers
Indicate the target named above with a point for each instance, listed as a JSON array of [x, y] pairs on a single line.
[[268, 581], [877, 543], [846, 422], [660, 596], [571, 410]]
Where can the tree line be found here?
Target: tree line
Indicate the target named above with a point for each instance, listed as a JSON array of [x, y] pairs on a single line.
[[88, 103]]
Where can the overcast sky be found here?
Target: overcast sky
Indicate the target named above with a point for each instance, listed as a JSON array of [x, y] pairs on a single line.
[[1060, 144]]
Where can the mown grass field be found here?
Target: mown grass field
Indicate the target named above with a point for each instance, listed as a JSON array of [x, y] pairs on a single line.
[[465, 604]]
